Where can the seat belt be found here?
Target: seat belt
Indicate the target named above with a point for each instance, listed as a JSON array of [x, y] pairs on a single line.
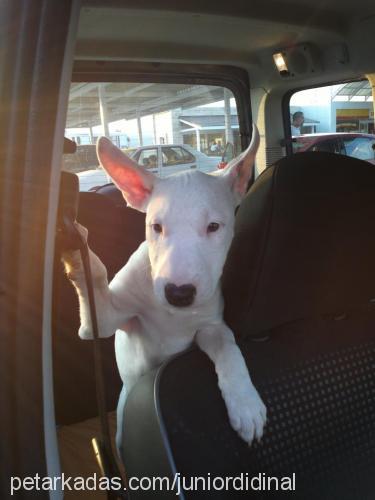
[[69, 238]]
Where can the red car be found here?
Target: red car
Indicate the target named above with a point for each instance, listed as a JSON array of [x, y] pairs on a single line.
[[353, 144], [361, 146]]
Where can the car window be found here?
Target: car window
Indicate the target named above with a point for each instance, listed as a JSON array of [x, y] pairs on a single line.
[[360, 147], [325, 119], [188, 157], [345, 107], [148, 158], [193, 124], [176, 156]]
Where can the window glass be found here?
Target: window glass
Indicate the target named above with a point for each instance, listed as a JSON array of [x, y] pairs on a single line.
[[176, 156], [335, 118], [229, 153], [192, 122], [147, 157], [188, 157]]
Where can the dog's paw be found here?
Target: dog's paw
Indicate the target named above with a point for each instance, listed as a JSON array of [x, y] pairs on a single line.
[[72, 263], [74, 266], [72, 258], [247, 414]]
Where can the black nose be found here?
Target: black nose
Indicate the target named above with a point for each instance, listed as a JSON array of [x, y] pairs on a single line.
[[180, 296]]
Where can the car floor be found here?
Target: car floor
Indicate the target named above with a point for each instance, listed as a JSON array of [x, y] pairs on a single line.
[[77, 455]]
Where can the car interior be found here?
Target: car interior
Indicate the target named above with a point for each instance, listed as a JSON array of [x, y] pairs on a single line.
[[299, 279]]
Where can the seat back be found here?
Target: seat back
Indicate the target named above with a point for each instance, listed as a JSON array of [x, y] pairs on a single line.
[[304, 243]]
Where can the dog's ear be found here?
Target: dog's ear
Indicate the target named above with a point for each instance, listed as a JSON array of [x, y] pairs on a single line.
[[239, 170], [132, 179]]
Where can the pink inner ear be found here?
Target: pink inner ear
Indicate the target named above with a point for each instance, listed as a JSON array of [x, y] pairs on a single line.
[[240, 179], [135, 183], [133, 186]]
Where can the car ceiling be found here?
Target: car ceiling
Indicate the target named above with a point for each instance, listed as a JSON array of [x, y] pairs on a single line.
[[237, 32], [333, 14]]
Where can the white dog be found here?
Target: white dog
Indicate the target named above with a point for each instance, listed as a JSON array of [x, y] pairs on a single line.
[[168, 294]]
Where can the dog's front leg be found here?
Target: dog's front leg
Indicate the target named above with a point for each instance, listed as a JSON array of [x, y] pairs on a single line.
[[247, 413], [109, 318]]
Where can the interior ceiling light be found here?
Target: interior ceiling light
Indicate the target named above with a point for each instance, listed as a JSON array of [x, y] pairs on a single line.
[[281, 63]]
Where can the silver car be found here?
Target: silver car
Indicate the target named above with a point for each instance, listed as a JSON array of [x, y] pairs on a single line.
[[167, 159]]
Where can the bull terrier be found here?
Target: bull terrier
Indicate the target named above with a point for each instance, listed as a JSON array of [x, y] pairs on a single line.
[[168, 294]]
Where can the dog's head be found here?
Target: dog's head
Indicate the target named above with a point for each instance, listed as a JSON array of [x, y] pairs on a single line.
[[189, 220]]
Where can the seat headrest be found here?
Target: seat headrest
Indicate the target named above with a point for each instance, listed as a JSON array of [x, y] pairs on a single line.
[[70, 147], [304, 243]]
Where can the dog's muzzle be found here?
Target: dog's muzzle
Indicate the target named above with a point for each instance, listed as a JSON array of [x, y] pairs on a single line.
[[180, 296]]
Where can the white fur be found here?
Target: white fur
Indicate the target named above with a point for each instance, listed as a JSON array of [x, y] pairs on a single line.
[[148, 329]]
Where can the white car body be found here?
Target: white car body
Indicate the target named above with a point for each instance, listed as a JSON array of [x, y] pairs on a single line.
[[94, 177]]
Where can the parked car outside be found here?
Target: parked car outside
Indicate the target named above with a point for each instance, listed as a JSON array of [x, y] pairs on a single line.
[[167, 159], [163, 160], [357, 145]]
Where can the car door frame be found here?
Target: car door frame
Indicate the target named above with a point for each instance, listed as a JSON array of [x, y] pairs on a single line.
[[36, 71]]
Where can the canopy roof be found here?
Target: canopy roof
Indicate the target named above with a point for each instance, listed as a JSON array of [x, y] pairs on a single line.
[[355, 89], [133, 100]]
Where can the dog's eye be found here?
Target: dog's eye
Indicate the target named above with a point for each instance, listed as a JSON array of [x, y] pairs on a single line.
[[157, 228], [212, 227]]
